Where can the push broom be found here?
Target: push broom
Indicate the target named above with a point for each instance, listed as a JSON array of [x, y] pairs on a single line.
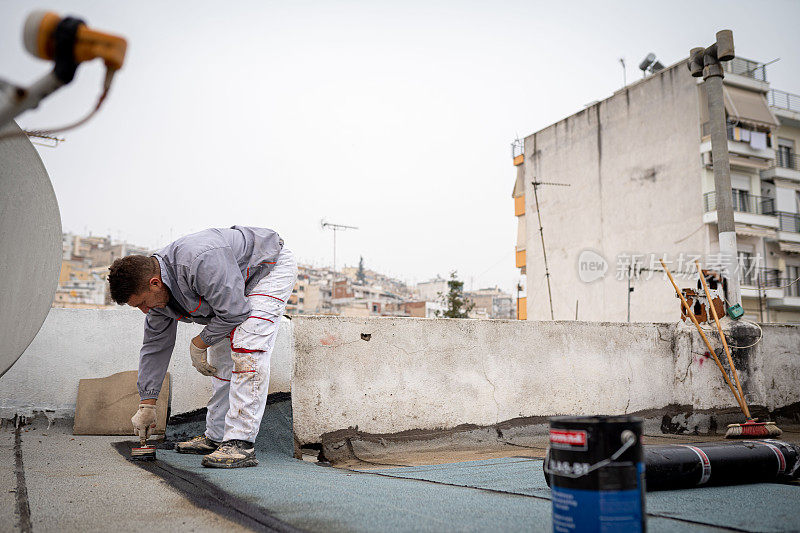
[[754, 429], [751, 427]]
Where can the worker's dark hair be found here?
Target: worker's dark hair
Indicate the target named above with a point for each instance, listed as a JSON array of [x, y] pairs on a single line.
[[129, 275]]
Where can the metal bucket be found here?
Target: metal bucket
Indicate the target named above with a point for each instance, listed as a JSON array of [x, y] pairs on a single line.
[[595, 468]]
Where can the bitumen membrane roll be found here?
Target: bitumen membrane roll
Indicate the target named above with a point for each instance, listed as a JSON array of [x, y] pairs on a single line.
[[684, 466], [680, 466]]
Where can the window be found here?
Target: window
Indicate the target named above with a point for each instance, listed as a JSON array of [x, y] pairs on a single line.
[[747, 269], [784, 157], [741, 200], [792, 273]]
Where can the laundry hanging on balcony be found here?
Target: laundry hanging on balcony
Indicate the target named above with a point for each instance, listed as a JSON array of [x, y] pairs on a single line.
[[758, 140]]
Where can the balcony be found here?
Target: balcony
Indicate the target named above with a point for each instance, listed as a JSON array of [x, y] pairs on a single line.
[[741, 143], [788, 228], [785, 106], [743, 203], [747, 209], [784, 295], [785, 166], [746, 68], [759, 277], [787, 160], [784, 100], [791, 290], [788, 221], [761, 282], [518, 152]]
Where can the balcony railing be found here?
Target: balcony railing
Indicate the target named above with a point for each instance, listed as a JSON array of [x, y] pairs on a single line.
[[787, 160], [746, 67], [788, 221], [784, 100], [517, 148], [744, 203], [765, 278], [791, 289]]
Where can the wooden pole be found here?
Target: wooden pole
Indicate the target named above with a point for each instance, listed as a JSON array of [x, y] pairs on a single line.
[[724, 341], [705, 339]]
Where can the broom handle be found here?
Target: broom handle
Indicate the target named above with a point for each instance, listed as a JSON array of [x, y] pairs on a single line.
[[703, 335], [724, 341]]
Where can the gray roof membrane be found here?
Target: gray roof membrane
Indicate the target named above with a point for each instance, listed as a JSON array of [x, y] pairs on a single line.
[[508, 494]]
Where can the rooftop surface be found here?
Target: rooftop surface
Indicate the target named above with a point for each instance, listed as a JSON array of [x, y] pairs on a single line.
[[72, 483]]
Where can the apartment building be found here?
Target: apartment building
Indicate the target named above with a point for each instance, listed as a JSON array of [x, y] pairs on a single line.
[[491, 302], [80, 285], [636, 185], [84, 267], [431, 290]]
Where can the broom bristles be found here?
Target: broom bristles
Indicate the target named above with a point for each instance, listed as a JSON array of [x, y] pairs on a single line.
[[753, 429]]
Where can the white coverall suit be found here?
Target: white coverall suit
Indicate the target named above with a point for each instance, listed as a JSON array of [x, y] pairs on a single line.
[[236, 281]]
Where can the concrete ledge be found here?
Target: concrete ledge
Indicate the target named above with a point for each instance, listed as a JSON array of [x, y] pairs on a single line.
[[386, 376], [91, 343]]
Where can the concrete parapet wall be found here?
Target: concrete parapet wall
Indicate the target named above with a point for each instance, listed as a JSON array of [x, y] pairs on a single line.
[[390, 375], [92, 343]]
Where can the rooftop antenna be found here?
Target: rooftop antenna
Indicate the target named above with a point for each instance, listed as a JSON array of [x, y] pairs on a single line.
[[536, 185], [624, 73], [335, 228], [760, 66]]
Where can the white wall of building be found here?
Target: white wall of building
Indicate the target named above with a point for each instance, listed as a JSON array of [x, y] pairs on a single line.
[[634, 169], [431, 290]]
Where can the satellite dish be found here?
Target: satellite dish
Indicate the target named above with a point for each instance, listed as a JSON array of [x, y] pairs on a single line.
[[30, 244]]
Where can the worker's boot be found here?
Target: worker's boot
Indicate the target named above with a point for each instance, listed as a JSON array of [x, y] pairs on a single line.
[[232, 454], [200, 445]]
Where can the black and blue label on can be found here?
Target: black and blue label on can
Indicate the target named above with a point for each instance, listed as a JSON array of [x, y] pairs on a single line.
[[595, 469]]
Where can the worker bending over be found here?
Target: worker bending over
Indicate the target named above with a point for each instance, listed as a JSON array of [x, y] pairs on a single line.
[[235, 281]]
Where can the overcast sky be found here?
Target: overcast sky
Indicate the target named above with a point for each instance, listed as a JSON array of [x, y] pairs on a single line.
[[395, 117]]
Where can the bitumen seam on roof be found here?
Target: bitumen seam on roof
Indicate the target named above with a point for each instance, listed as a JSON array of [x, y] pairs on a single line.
[[23, 507], [209, 496]]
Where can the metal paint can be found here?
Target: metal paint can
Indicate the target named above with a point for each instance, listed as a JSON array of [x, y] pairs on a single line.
[[595, 469]]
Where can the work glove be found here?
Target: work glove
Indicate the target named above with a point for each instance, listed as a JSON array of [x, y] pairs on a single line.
[[144, 421], [200, 360]]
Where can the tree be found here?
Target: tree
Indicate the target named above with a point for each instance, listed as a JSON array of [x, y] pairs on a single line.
[[456, 306], [360, 275]]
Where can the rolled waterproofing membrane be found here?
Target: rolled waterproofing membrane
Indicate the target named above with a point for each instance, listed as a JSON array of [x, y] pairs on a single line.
[[705, 464], [30, 244], [680, 466]]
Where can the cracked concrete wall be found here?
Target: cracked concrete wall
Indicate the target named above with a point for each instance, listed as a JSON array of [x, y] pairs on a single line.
[[423, 374], [92, 343]]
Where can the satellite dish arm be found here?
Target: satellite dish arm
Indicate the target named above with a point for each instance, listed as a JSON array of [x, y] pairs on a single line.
[[67, 42], [16, 100]]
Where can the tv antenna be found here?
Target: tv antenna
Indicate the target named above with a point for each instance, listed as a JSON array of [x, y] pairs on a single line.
[[335, 228], [536, 185]]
